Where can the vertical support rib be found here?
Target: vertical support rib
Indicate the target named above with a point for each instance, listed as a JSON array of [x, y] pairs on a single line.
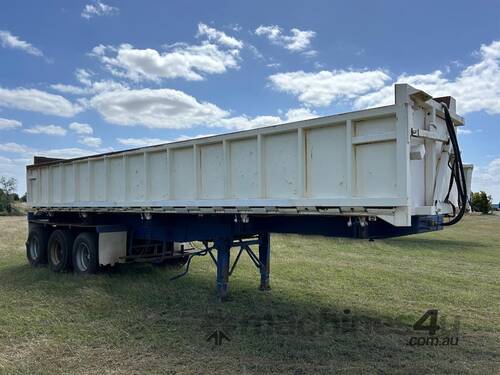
[[147, 176], [125, 178], [223, 261], [350, 182], [261, 179], [91, 173], [49, 185], [404, 123], [168, 187], [227, 168], [301, 160], [264, 258], [63, 183], [39, 186], [106, 179], [29, 186], [76, 183], [196, 168]]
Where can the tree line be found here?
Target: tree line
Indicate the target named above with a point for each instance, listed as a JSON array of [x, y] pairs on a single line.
[[8, 195]]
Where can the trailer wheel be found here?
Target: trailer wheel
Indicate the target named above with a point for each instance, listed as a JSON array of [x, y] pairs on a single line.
[[36, 246], [85, 253], [59, 250]]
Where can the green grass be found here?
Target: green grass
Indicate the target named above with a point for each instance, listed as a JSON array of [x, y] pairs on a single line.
[[134, 320], [18, 209]]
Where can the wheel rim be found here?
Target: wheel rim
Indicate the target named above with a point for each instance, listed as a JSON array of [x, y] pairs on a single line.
[[34, 249], [83, 257], [56, 252]]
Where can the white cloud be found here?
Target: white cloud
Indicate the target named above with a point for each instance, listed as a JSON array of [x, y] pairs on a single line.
[[299, 114], [105, 85], [464, 131], [8, 40], [218, 37], [476, 87], [217, 53], [71, 152], [173, 109], [297, 41], [81, 128], [98, 8], [487, 178], [90, 141], [15, 148], [85, 131], [88, 86], [255, 52], [245, 122], [143, 142], [63, 153], [84, 76], [490, 51], [234, 27], [190, 62], [38, 101], [155, 108], [46, 129], [70, 89], [384, 96], [310, 53], [322, 88], [9, 124]]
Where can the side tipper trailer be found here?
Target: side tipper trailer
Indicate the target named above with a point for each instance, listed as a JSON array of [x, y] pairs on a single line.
[[383, 172]]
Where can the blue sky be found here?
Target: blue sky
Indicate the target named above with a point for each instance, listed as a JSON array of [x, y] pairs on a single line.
[[80, 77]]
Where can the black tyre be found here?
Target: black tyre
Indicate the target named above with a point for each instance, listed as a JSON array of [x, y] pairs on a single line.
[[59, 250], [85, 253], [36, 246]]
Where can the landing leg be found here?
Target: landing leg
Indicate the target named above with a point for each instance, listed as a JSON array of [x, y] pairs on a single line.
[[264, 258], [223, 250]]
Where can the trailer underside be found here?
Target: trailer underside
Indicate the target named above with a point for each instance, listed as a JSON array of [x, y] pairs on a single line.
[[125, 237]]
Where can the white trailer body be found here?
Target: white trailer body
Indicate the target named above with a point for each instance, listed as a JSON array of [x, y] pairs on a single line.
[[389, 162]]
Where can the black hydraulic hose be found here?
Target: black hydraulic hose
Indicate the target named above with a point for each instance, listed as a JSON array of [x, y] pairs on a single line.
[[457, 173]]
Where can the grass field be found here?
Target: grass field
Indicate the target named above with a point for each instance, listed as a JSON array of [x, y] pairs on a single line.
[[337, 306]]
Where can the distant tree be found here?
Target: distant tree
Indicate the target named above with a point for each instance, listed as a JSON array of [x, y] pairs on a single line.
[[4, 203], [7, 188], [481, 202], [24, 198], [8, 185]]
